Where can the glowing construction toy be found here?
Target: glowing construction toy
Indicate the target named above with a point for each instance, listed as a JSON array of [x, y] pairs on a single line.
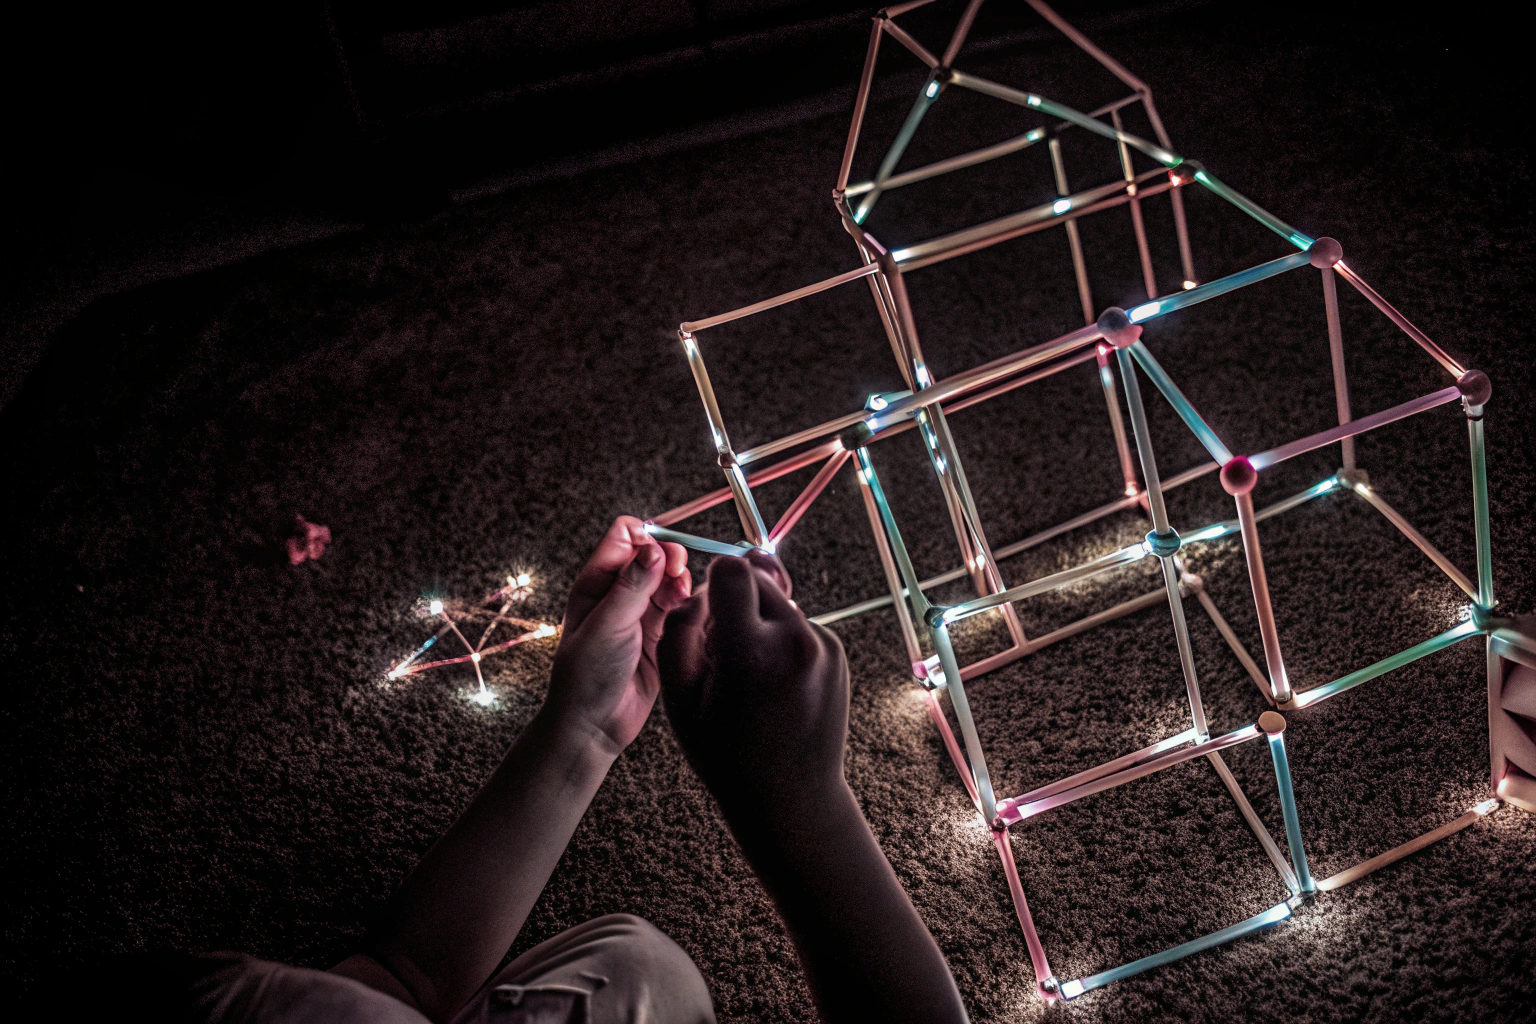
[[454, 615], [1110, 341]]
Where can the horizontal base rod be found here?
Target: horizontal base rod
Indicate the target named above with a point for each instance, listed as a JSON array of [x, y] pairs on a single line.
[[1274, 915], [1395, 854], [1382, 667]]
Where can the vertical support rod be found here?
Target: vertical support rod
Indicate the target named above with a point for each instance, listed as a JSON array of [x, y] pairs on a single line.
[[1336, 351], [746, 508], [1180, 225], [892, 575], [1279, 683], [1273, 725], [859, 103], [941, 451], [1480, 509], [1160, 524], [1148, 278], [956, 687], [1496, 767], [1117, 425], [1074, 240]]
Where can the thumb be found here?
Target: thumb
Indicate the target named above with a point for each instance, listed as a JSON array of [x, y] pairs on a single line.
[[630, 596]]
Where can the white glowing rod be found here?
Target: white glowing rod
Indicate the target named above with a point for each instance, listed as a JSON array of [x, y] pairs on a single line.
[[1113, 340], [517, 588]]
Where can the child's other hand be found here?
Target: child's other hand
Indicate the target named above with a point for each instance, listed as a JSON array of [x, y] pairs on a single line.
[[757, 694], [605, 679]]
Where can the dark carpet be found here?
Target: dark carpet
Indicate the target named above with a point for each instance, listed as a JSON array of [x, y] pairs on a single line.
[[200, 748]]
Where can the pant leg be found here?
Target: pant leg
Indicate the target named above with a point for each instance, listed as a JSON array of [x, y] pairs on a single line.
[[617, 969]]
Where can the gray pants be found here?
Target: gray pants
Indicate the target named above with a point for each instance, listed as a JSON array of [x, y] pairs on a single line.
[[617, 969], [612, 970]]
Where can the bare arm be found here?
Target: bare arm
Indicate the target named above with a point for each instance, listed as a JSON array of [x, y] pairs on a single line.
[[759, 699], [453, 920]]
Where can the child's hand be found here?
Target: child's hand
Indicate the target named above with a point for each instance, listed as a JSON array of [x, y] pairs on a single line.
[[757, 694], [605, 677]]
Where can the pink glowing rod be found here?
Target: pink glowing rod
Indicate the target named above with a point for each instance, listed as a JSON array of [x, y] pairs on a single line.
[[517, 588]]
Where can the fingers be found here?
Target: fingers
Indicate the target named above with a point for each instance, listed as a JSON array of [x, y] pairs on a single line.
[[773, 569], [733, 592], [677, 559], [615, 551], [773, 588], [672, 592], [628, 599], [680, 652]]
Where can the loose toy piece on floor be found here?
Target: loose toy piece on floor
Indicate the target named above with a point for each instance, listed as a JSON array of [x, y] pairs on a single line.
[[1111, 340]]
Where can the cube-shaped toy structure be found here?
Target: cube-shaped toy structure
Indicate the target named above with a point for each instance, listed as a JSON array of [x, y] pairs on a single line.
[[1111, 340]]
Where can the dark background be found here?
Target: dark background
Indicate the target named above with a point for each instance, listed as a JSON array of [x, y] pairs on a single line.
[[413, 274]]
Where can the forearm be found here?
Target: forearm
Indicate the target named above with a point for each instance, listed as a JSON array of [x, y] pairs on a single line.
[[866, 952], [461, 909]]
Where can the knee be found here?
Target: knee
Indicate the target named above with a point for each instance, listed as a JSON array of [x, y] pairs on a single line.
[[635, 951]]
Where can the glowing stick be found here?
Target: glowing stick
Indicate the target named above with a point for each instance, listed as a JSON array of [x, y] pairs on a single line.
[[1045, 981], [1414, 845], [1254, 210], [1274, 915], [1263, 460], [1181, 405], [700, 544], [1011, 811], [1439, 643], [1273, 724], [1193, 296]]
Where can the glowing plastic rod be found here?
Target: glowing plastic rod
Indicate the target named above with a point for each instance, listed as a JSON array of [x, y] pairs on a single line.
[[1181, 405], [1216, 531], [1273, 724], [1045, 981], [1182, 300], [1074, 240], [1034, 215], [1480, 508], [694, 326], [761, 476], [1107, 768], [1274, 915], [956, 755], [905, 39], [897, 592], [1322, 439], [981, 376], [1009, 550], [701, 544], [1065, 113], [1161, 530], [1385, 665], [1013, 226], [925, 100], [915, 595], [954, 163], [957, 698], [1258, 581], [1414, 845], [961, 31], [1254, 210], [1055, 581], [1396, 518], [1225, 629], [1087, 45], [401, 669], [1138, 225], [803, 501], [860, 103], [1336, 356], [1451, 366], [1012, 812], [1267, 841], [899, 9]]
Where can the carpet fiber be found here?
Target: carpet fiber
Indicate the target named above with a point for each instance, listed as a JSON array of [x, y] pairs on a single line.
[[200, 747]]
